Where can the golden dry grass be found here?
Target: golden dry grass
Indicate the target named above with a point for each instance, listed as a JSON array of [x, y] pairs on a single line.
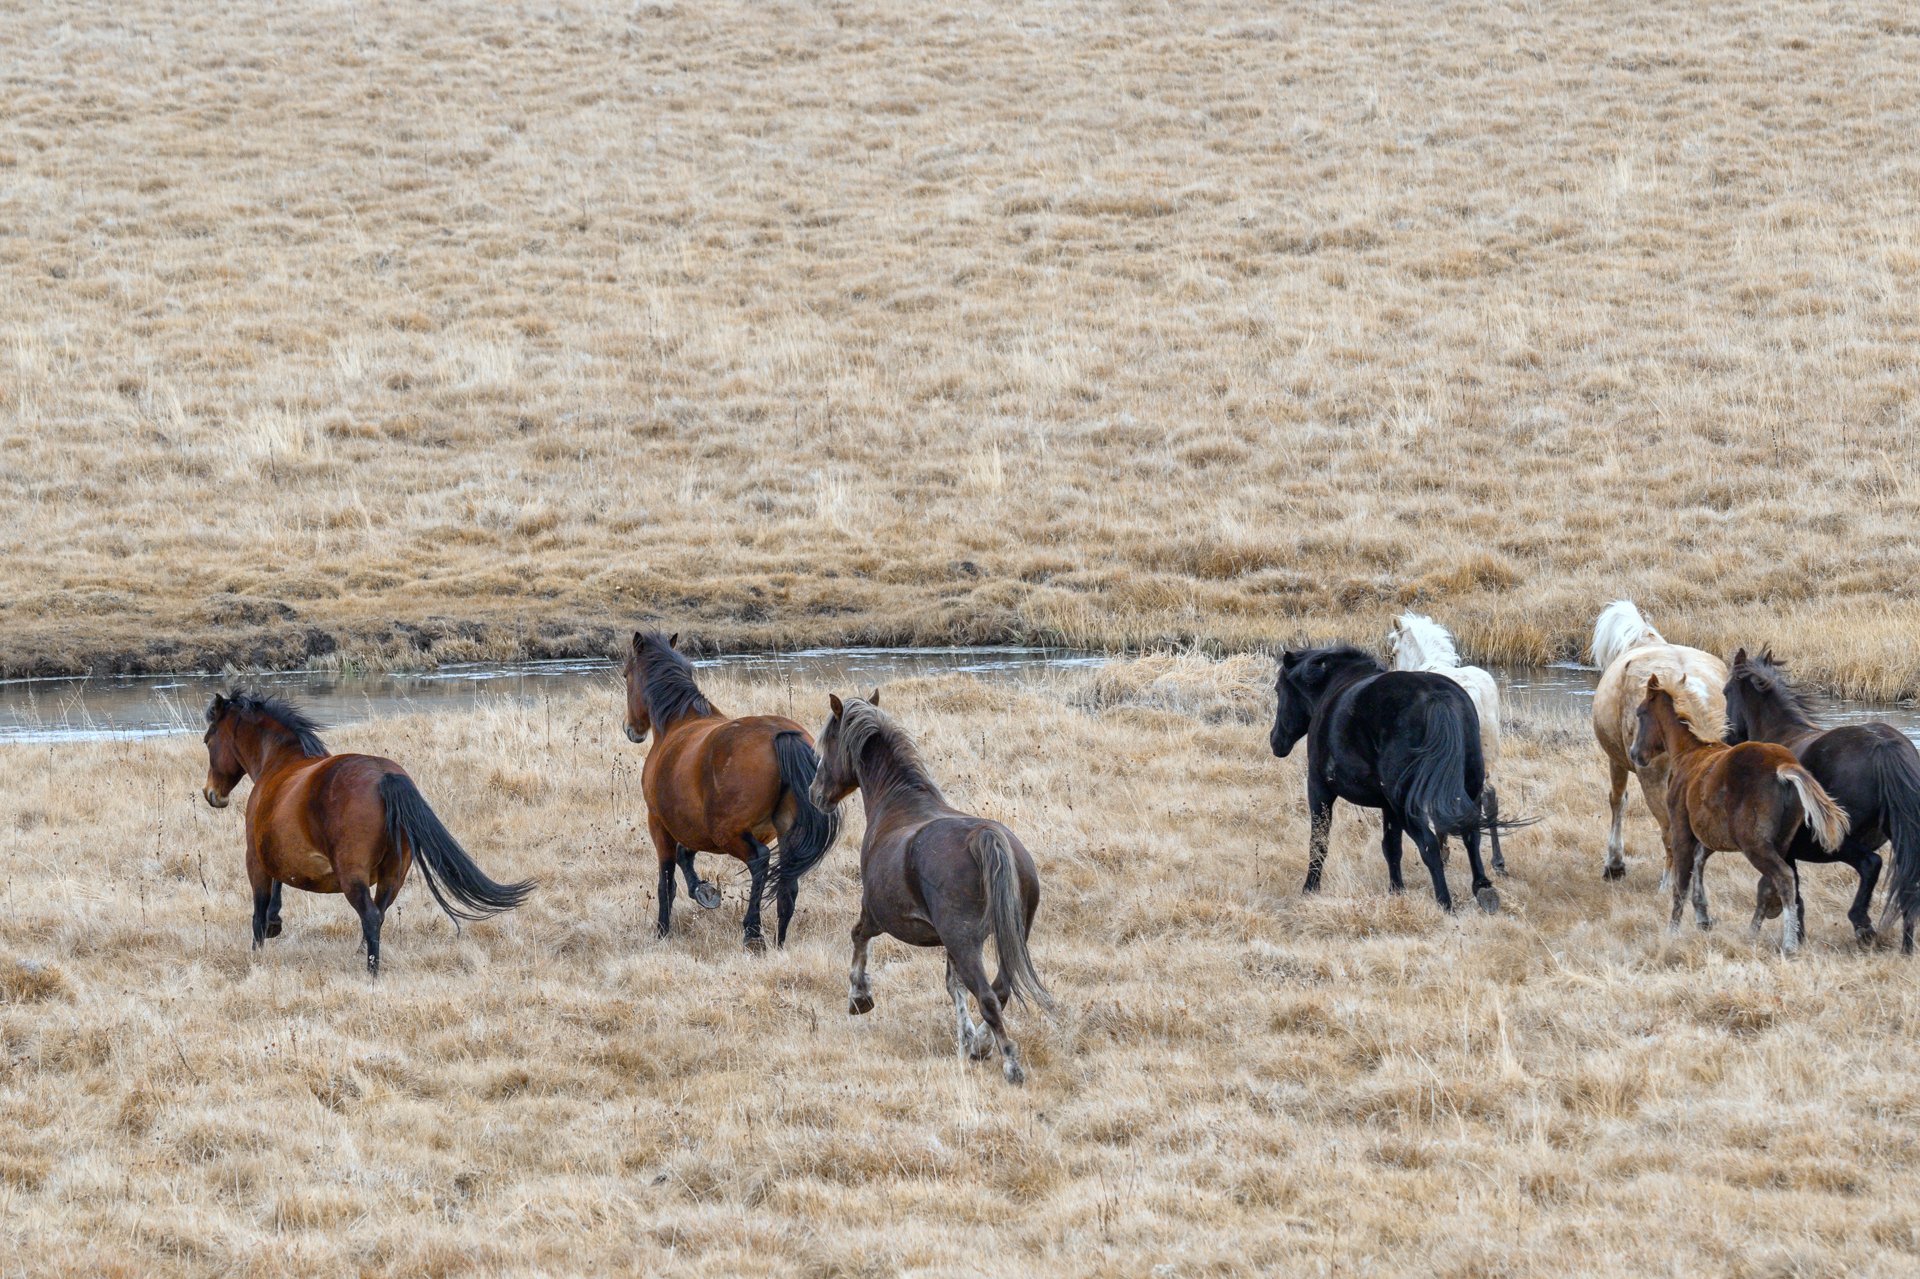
[[1240, 1081], [418, 332]]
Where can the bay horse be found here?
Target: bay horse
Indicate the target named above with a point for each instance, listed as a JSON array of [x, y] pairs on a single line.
[[716, 784], [931, 875], [1871, 770], [1629, 652], [1753, 797], [1404, 742], [1418, 643], [325, 823]]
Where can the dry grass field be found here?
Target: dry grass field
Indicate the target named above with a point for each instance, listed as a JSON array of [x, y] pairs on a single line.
[[417, 332], [1239, 1081]]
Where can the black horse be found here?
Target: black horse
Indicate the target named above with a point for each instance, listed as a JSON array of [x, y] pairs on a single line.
[[1404, 742], [1871, 769]]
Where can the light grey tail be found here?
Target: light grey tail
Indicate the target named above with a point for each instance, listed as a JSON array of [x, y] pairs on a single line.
[[1826, 819], [1006, 913]]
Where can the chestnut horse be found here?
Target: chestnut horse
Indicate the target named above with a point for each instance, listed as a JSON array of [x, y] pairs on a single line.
[[932, 875], [1629, 652], [348, 824], [720, 785], [1752, 797]]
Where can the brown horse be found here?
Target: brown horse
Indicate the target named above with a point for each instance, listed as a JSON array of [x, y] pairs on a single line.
[[721, 785], [349, 824], [932, 875], [1752, 797]]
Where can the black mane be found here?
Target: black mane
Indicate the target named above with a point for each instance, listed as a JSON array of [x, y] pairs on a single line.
[[1767, 677], [669, 687], [888, 760], [281, 712]]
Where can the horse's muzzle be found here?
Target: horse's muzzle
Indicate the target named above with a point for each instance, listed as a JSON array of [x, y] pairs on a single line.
[[213, 798], [633, 734]]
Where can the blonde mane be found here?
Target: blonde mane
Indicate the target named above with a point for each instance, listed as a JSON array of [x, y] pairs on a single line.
[[1619, 630], [1692, 692]]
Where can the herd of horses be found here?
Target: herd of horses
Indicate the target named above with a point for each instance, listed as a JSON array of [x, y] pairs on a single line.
[[1727, 759]]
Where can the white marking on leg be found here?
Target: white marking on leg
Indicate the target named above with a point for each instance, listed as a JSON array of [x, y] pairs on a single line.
[[1790, 916]]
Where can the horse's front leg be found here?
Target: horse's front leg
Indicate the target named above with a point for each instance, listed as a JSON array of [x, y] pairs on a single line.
[[859, 992], [704, 894], [1700, 915], [1615, 865], [273, 911], [1483, 892], [1320, 813], [1680, 853], [759, 859]]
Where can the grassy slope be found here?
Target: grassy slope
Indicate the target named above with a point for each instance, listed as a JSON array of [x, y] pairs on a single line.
[[428, 332], [1240, 1081]]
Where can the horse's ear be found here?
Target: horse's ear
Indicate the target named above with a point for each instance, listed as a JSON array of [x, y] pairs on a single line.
[[873, 698], [218, 704], [1740, 656], [637, 641], [674, 642], [833, 700], [1289, 658], [1653, 683]]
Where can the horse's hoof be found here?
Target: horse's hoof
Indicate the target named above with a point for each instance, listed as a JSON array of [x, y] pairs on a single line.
[[273, 928], [1488, 899], [1865, 935], [706, 895], [1014, 1074], [1704, 925], [1613, 872], [660, 932], [757, 943], [857, 1004]]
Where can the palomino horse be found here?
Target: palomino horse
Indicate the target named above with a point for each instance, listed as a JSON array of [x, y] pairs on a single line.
[[1418, 643], [932, 875], [1752, 797], [721, 785], [1629, 653], [1404, 742], [1872, 770], [349, 824]]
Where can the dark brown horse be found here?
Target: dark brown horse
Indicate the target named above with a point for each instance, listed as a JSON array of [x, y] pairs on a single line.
[[1752, 797], [349, 824], [720, 785], [932, 875], [1871, 770]]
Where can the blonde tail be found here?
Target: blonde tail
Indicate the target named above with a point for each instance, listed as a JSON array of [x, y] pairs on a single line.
[[1827, 819]]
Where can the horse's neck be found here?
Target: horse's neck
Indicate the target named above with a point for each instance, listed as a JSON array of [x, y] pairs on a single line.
[[887, 782], [267, 748], [1776, 721], [1681, 740]]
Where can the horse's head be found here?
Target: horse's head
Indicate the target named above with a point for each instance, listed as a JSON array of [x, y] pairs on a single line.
[[639, 721], [1649, 737], [224, 769], [1295, 697], [1740, 677], [836, 777]]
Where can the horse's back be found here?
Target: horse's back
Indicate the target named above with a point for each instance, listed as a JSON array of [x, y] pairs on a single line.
[[1697, 680]]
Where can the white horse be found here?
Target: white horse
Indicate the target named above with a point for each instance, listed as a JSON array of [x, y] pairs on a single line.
[[1629, 652], [1418, 643]]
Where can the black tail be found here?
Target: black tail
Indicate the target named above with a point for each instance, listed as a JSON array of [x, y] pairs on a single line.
[[449, 872], [1436, 788], [1896, 769], [813, 831]]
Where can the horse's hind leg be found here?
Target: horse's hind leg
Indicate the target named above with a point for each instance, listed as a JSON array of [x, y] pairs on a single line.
[[704, 894], [1615, 867], [967, 963], [1429, 845], [1320, 805], [273, 911], [974, 1040], [761, 857], [360, 897], [1490, 811], [1769, 862], [1868, 865], [1483, 892], [1391, 848]]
